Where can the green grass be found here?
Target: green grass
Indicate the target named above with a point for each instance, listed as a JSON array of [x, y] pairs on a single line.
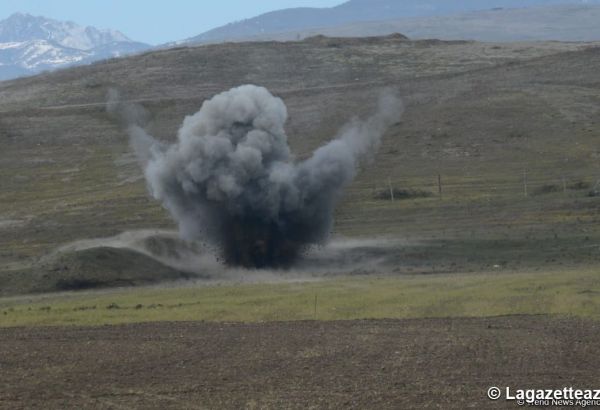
[[573, 292]]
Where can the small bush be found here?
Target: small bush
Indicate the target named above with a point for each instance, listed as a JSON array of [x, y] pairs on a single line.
[[92, 83], [83, 308], [579, 186], [546, 189], [77, 284]]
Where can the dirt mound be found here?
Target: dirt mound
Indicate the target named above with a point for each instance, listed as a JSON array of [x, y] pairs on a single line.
[[103, 267]]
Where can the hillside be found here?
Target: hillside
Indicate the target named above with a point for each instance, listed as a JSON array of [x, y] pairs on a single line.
[[558, 23], [269, 25], [510, 130]]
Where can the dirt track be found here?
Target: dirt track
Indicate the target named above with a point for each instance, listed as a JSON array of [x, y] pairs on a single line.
[[356, 364]]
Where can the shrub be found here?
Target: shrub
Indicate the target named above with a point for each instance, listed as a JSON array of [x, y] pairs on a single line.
[[546, 189], [579, 185]]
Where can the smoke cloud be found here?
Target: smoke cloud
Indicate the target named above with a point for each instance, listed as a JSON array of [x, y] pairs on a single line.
[[231, 180]]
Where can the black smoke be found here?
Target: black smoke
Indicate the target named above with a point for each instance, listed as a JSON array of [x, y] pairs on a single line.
[[231, 179]]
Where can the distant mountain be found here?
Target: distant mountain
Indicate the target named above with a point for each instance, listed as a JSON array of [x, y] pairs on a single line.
[[30, 44], [558, 23], [297, 19]]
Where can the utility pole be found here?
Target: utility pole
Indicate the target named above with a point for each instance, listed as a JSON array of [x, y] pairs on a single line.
[[525, 182], [440, 185], [391, 189]]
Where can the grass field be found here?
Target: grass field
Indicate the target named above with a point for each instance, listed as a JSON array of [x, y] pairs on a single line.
[[561, 292]]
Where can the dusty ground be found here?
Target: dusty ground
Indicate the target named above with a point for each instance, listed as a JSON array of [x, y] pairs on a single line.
[[435, 363]]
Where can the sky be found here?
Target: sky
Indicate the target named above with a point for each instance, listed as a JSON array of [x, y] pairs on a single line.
[[154, 21]]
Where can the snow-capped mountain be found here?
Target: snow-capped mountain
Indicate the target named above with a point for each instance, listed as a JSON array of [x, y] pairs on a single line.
[[30, 44]]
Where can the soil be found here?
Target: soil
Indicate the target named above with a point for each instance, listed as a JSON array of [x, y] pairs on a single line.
[[431, 363]]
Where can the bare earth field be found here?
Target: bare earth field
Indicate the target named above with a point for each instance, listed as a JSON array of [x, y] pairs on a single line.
[[306, 364]]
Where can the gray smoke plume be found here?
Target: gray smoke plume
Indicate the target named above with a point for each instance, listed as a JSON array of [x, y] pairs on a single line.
[[231, 179]]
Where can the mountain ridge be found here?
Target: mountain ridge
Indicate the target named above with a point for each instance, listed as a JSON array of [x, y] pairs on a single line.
[[579, 23], [294, 19], [32, 44]]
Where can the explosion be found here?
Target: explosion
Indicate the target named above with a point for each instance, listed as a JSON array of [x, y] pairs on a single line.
[[231, 179]]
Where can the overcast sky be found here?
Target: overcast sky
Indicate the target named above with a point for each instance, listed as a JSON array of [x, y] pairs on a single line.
[[154, 21]]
